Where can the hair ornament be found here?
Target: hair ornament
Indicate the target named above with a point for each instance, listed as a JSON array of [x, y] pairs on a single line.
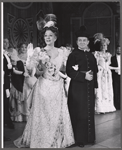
[[49, 24], [48, 21], [100, 37], [40, 23], [105, 41]]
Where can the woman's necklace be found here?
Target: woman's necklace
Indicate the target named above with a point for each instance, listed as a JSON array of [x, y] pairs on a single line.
[[104, 55]]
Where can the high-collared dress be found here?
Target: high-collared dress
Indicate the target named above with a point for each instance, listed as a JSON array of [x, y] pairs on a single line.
[[81, 96]]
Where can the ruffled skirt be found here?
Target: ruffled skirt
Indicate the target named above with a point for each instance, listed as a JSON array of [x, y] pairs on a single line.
[[49, 124]]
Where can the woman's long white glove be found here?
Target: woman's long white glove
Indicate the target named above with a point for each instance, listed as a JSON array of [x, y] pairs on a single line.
[[7, 93]]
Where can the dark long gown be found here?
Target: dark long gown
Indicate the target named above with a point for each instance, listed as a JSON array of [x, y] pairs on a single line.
[[16, 97], [81, 97]]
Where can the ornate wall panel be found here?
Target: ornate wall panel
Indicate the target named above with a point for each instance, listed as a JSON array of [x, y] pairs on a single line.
[[97, 10], [98, 18], [10, 19], [20, 32]]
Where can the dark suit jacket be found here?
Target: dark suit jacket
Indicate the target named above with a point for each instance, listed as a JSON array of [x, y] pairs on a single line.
[[7, 73], [114, 63]]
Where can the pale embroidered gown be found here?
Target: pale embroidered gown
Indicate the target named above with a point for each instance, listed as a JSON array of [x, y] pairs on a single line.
[[49, 124], [104, 93]]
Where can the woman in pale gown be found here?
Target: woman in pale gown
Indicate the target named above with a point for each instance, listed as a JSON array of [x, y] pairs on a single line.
[[30, 69], [49, 124], [104, 93]]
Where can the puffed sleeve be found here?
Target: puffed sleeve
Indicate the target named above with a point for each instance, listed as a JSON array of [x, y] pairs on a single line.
[[33, 61], [96, 55], [71, 72], [109, 58]]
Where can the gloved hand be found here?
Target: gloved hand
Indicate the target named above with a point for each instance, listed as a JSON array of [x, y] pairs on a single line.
[[7, 93]]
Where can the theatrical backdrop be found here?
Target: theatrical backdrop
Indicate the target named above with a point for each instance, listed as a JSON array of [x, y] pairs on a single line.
[[20, 21]]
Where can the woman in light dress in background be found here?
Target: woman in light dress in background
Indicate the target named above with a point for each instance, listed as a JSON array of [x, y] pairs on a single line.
[[20, 88], [104, 93], [49, 124], [23, 54]]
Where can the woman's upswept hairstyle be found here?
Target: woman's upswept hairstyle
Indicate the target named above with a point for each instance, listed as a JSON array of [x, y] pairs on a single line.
[[48, 23], [53, 29], [19, 46]]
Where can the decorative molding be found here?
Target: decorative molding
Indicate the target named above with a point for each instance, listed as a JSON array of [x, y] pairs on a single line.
[[11, 44], [31, 36], [20, 31], [21, 5], [97, 10], [40, 13], [30, 22], [9, 34], [10, 19], [98, 18]]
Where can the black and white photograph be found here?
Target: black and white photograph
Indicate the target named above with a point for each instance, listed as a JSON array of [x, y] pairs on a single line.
[[61, 70]]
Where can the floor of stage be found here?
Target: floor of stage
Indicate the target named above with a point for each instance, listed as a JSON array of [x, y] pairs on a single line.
[[108, 131]]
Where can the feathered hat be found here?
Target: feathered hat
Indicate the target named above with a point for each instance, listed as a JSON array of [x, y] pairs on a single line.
[[48, 21], [99, 37], [82, 32]]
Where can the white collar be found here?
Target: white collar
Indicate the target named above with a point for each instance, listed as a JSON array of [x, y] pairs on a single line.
[[5, 52], [117, 55], [85, 50]]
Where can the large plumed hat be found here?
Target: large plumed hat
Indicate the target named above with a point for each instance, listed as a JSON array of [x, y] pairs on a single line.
[[48, 21], [99, 37], [82, 32]]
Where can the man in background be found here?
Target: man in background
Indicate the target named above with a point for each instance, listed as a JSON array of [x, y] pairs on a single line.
[[115, 62], [7, 68]]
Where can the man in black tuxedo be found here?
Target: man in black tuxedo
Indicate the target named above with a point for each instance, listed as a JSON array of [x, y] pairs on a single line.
[[115, 62], [6, 89], [7, 68]]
